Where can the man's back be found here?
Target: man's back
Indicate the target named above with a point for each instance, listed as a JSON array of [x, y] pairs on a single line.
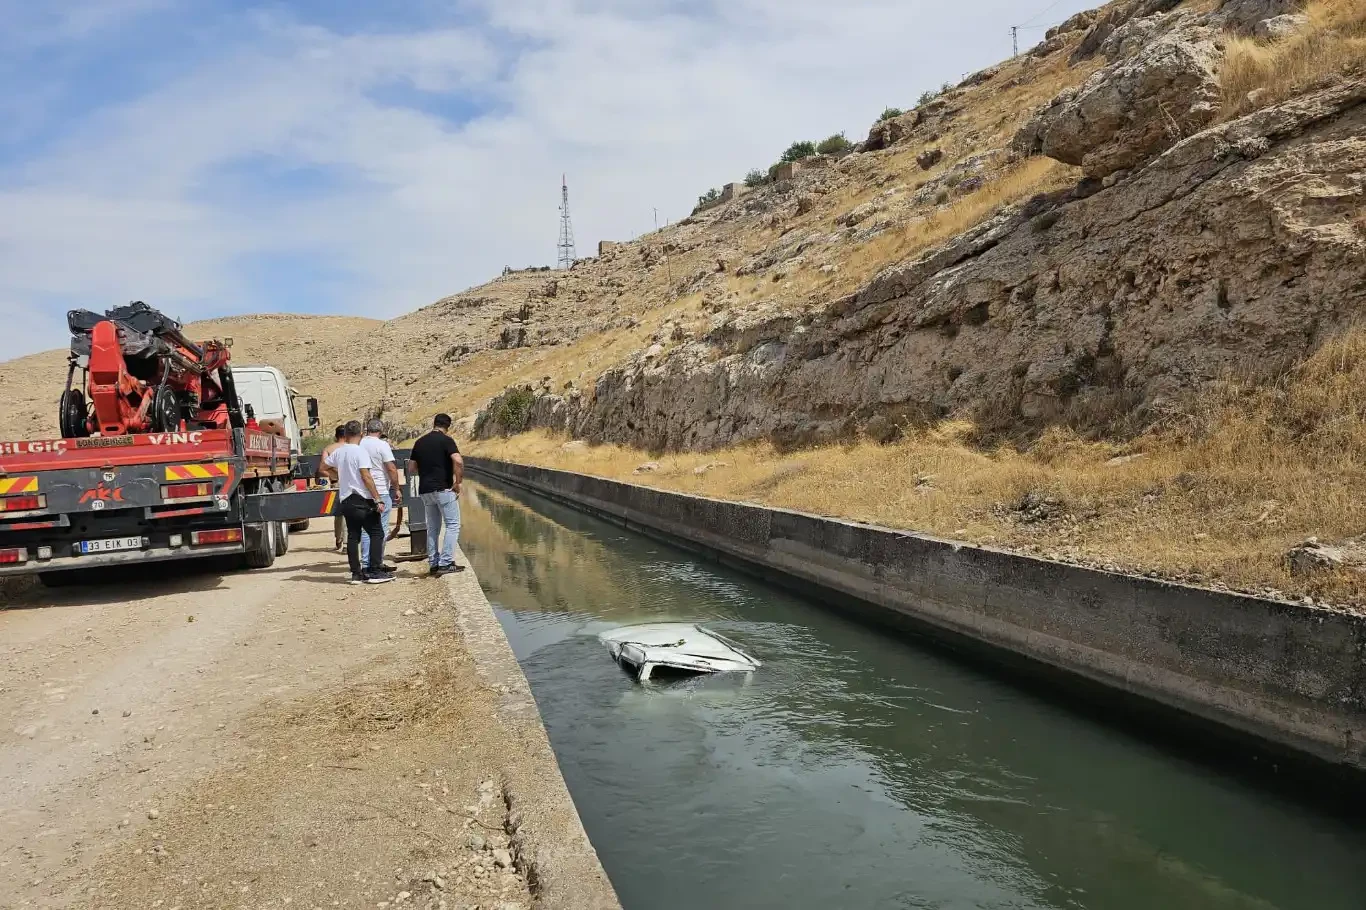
[[432, 455], [348, 460]]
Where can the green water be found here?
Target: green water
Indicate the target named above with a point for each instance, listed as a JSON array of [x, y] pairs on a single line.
[[858, 769]]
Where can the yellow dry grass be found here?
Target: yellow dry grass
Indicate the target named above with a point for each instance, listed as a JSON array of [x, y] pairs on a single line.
[[1260, 73], [1026, 179], [1216, 495]]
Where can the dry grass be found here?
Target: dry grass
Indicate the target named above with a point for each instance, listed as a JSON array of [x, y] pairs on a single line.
[[1332, 44], [1028, 178], [1218, 495]]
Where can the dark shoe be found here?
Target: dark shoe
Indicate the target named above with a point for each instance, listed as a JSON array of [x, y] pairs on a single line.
[[453, 569], [436, 571], [357, 580], [385, 567], [378, 578]]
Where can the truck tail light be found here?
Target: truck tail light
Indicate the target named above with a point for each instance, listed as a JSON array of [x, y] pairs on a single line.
[[226, 535], [22, 503], [13, 556], [179, 492]]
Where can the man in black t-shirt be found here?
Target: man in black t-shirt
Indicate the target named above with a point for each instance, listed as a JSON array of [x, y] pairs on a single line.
[[437, 463]]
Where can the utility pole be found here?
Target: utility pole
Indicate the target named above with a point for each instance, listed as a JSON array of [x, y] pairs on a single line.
[[1015, 40], [656, 211], [566, 245]]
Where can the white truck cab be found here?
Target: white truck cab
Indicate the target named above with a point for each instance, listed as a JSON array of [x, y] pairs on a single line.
[[272, 398]]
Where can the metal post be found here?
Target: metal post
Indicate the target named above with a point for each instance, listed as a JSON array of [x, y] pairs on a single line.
[[417, 522]]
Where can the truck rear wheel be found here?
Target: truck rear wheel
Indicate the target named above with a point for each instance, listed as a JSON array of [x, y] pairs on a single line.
[[281, 538], [261, 545]]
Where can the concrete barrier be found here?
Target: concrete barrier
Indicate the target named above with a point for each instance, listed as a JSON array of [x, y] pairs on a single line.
[[1277, 681], [547, 835]]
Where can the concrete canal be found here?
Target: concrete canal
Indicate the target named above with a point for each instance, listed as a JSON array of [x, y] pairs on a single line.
[[857, 769]]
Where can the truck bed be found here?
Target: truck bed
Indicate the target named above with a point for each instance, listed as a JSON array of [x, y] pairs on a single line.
[[261, 450], [67, 503]]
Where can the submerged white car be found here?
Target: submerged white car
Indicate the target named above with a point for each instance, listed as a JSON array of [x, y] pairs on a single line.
[[676, 647]]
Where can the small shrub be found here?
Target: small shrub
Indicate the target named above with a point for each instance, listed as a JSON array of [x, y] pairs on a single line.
[[755, 178], [510, 412], [709, 196], [834, 145], [772, 172], [927, 96], [890, 113], [799, 150], [314, 442]]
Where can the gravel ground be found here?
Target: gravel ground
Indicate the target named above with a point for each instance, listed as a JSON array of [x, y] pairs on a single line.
[[263, 739]]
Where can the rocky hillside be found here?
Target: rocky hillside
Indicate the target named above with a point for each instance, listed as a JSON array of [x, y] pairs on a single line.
[[1145, 232], [1160, 195]]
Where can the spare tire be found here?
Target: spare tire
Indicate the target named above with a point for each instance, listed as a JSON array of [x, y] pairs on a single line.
[[165, 410], [72, 414]]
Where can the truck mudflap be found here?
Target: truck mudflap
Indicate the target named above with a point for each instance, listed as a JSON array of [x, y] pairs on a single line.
[[292, 505]]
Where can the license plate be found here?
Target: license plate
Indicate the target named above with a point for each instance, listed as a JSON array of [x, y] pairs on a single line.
[[111, 544]]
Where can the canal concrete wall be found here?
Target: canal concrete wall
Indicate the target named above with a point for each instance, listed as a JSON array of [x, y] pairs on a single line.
[[547, 834], [1287, 680]]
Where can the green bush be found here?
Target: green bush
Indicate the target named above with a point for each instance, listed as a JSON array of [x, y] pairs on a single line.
[[755, 178], [709, 196], [313, 443], [833, 145], [890, 113], [512, 410], [927, 96], [799, 150]]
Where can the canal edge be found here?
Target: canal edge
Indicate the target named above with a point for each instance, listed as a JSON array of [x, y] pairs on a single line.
[[548, 838], [1279, 688]]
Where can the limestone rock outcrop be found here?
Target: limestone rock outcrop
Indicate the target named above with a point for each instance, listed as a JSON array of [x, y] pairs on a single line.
[[1238, 250], [1133, 109]]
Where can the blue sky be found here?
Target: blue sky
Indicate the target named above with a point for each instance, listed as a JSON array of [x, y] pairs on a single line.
[[337, 156]]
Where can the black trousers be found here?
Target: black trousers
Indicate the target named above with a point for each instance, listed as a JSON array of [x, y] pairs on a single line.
[[362, 514]]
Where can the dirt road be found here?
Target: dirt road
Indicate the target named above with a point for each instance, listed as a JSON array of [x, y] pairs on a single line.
[[262, 739]]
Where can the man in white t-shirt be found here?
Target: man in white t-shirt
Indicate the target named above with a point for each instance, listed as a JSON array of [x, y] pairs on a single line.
[[385, 473], [359, 502]]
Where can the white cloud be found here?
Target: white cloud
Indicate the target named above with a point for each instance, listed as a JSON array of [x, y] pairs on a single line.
[[643, 103]]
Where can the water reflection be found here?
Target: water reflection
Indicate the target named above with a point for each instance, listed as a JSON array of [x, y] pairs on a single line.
[[857, 770]]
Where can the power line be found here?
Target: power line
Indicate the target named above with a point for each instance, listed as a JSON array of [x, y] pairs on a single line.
[[1034, 18]]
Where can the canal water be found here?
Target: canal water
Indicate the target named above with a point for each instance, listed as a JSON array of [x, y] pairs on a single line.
[[857, 769]]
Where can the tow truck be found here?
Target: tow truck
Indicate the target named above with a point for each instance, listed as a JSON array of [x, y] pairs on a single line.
[[160, 457]]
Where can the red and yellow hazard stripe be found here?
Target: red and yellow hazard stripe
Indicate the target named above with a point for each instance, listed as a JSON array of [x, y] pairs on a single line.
[[16, 485], [196, 471], [329, 501]]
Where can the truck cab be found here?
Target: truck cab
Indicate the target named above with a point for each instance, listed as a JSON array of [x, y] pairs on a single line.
[[272, 398]]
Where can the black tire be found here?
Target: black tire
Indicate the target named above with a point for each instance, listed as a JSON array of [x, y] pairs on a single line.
[[299, 527], [281, 538], [165, 410], [261, 545], [72, 415]]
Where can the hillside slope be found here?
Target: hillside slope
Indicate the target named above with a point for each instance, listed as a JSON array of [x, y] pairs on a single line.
[[1144, 237]]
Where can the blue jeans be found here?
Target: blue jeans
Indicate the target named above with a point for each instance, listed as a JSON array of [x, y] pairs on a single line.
[[443, 511], [384, 523]]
